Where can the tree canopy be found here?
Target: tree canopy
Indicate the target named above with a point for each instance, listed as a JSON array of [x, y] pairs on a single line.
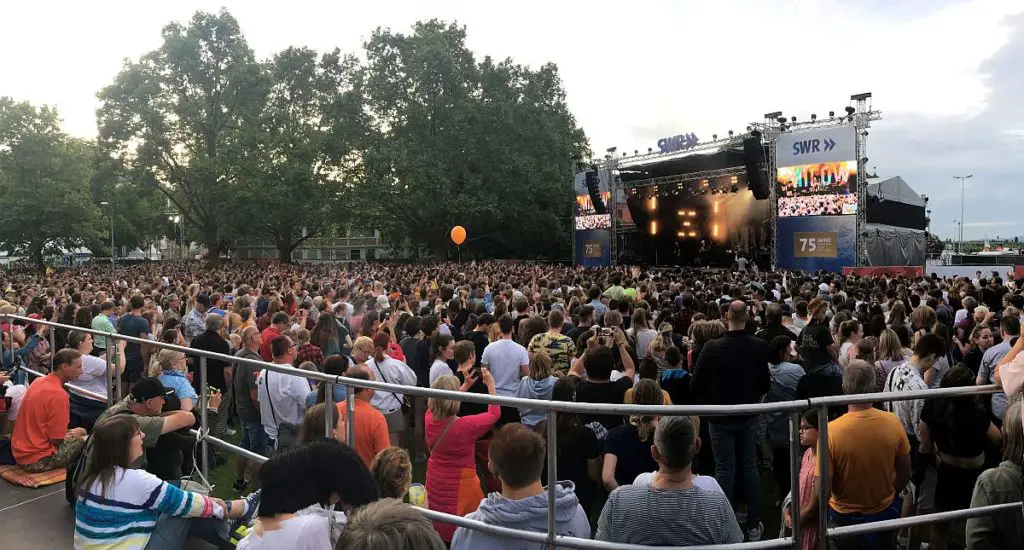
[[419, 137]]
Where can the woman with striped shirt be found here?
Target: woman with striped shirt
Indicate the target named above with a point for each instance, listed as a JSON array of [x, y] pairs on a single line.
[[119, 508]]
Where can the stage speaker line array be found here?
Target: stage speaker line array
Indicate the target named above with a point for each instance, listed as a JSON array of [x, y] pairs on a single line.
[[757, 179], [593, 181]]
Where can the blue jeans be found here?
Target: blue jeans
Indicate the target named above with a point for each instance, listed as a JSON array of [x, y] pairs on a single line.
[[735, 446], [171, 532], [254, 438]]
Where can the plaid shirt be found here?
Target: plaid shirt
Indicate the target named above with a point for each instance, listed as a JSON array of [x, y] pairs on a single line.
[[309, 352]]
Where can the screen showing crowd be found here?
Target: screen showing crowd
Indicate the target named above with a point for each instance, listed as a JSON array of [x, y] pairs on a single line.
[[593, 221], [827, 189]]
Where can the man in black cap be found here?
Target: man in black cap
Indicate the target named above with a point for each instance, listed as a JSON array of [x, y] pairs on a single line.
[[145, 402]]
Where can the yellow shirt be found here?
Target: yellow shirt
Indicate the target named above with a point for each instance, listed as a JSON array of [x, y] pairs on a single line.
[[862, 451]]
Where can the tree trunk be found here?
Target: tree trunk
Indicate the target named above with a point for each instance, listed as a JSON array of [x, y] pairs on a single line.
[[36, 257], [212, 244], [284, 251]]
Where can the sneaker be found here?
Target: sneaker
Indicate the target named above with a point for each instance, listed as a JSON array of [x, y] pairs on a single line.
[[754, 533]]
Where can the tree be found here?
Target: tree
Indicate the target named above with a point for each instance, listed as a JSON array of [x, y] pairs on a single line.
[[174, 116], [44, 185], [489, 146], [141, 212], [297, 153]]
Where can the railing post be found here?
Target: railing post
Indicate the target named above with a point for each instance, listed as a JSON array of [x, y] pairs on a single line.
[[203, 422], [552, 474], [10, 345], [120, 392], [329, 411], [824, 480], [794, 475], [110, 375], [350, 416], [53, 348]]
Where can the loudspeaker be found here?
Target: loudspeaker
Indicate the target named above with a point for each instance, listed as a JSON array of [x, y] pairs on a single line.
[[753, 153], [593, 180]]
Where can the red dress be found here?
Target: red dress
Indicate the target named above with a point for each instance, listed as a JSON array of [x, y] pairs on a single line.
[[453, 486]]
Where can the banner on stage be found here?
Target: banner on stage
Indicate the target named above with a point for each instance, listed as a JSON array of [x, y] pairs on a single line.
[[812, 243], [819, 244], [593, 247], [835, 144]]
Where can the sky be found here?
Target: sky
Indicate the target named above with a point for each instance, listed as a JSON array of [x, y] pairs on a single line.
[[946, 74]]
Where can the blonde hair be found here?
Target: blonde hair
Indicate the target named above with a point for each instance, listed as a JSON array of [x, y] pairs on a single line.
[[540, 366], [392, 472], [388, 524], [646, 392], [167, 357], [366, 343], [439, 407]]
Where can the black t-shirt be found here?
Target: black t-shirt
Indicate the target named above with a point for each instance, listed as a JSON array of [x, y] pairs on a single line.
[[211, 341], [466, 408], [574, 449], [677, 382], [815, 340], [136, 327], [634, 456], [963, 434], [603, 392], [973, 359], [480, 342]]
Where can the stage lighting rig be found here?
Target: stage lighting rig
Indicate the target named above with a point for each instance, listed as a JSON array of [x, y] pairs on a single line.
[[773, 116]]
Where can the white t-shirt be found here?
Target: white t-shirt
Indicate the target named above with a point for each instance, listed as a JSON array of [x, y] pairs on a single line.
[[288, 395], [394, 372], [707, 483], [94, 375], [505, 359], [438, 369], [297, 533]]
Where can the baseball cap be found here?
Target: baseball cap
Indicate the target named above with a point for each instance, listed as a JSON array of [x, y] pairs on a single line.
[[382, 302], [146, 389]]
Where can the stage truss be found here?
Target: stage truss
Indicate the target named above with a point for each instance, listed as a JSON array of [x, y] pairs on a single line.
[[769, 130]]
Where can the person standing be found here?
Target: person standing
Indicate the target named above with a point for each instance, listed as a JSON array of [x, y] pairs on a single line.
[[278, 326], [134, 325], [389, 370], [101, 322], [1009, 328], [733, 370], [218, 372], [282, 397], [194, 322], [507, 362], [243, 383], [868, 463]]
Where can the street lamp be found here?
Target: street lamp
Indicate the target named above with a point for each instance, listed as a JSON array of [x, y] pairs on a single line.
[[962, 180], [111, 209]]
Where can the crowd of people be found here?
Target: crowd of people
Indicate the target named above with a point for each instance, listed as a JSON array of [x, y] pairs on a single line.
[[818, 205], [538, 332]]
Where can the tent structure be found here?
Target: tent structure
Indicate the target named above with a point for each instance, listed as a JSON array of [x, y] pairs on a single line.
[[894, 234]]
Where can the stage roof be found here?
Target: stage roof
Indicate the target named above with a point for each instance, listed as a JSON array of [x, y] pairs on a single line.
[[895, 189], [715, 155]]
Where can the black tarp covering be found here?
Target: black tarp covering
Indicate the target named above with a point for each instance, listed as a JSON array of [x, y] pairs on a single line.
[[893, 246]]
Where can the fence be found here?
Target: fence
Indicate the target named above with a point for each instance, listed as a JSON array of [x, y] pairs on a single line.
[[794, 408]]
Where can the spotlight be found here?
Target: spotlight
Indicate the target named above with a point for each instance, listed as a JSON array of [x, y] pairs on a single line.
[[730, 133], [611, 150], [636, 152], [864, 133], [714, 137], [832, 114], [649, 150], [850, 110], [814, 117], [864, 160], [793, 120], [735, 188], [749, 127], [781, 119]]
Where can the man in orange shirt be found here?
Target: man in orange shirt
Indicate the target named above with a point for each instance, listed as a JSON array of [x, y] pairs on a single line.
[[371, 426], [41, 440]]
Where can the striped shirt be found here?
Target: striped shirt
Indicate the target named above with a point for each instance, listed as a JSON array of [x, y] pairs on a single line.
[[124, 517], [641, 514]]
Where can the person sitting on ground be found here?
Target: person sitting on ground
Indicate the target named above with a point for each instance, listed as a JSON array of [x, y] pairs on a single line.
[[517, 457], [388, 524], [41, 440], [117, 506], [671, 511], [392, 472], [307, 491], [371, 430], [1003, 530], [167, 452]]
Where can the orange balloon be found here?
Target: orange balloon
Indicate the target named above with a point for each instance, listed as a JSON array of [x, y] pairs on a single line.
[[458, 234]]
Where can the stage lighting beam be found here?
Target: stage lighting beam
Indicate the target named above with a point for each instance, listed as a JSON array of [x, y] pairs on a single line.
[[654, 227]]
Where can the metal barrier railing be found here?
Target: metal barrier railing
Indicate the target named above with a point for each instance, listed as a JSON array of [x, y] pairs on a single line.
[[795, 408]]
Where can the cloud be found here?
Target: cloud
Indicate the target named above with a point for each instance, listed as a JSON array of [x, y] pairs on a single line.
[[991, 224]]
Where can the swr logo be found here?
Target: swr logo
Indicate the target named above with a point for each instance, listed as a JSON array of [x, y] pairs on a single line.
[[808, 146]]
